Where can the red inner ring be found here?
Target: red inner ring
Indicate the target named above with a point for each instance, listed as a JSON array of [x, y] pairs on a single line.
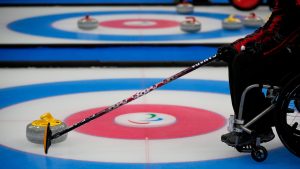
[[121, 23], [189, 122]]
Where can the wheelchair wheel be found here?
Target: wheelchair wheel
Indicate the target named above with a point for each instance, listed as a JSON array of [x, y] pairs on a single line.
[[288, 117], [297, 104], [259, 153]]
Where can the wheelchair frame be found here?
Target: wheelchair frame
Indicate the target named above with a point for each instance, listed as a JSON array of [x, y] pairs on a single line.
[[280, 98]]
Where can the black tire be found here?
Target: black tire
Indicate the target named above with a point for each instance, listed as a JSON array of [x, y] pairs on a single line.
[[297, 104], [287, 122], [259, 154], [245, 5]]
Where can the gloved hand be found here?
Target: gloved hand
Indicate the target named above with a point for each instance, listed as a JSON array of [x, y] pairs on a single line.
[[250, 54], [253, 49], [226, 53]]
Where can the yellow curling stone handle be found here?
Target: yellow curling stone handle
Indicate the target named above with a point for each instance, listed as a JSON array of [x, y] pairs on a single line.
[[45, 119], [231, 18]]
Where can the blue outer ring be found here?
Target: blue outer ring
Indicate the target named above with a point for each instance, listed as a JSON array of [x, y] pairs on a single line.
[[36, 91], [41, 26]]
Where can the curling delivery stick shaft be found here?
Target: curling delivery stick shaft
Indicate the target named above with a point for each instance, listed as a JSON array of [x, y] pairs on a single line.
[[135, 96]]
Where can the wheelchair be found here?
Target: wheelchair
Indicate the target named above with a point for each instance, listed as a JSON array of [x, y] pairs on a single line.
[[285, 112]]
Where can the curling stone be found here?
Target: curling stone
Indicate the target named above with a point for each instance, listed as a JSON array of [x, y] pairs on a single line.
[[232, 23], [190, 25], [185, 8], [35, 130], [253, 21], [87, 23]]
